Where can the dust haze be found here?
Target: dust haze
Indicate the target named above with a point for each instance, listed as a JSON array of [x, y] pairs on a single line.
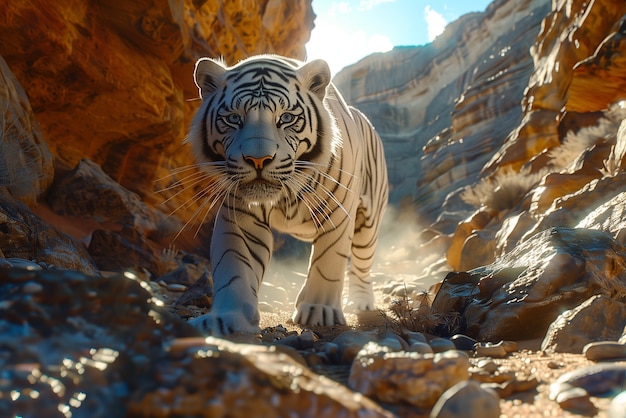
[[401, 265]]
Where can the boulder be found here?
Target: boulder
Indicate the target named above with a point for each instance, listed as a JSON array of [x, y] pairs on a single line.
[[87, 192], [406, 377], [520, 294], [25, 235], [572, 330]]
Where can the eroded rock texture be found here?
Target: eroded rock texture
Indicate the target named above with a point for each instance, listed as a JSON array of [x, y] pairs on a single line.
[[25, 161], [112, 81], [523, 292]]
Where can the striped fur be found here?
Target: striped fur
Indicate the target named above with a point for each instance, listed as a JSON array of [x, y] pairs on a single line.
[[285, 152]]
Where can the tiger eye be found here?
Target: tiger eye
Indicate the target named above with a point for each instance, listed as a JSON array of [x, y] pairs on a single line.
[[234, 119], [287, 118]]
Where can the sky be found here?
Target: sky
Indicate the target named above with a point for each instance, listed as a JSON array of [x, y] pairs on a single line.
[[348, 30]]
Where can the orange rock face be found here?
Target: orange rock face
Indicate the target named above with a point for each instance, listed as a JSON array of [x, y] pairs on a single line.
[[112, 81]]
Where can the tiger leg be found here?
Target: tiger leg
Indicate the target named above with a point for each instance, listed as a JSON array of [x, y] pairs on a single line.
[[360, 292], [240, 253], [319, 301]]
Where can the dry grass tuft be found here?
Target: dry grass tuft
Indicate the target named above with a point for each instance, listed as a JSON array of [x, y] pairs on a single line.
[[419, 316], [503, 191]]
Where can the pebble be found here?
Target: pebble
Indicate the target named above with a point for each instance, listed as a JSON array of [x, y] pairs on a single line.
[[576, 400], [439, 345], [463, 342], [491, 350], [422, 348], [598, 380], [350, 342], [175, 287], [509, 346], [393, 341], [487, 365], [467, 396], [32, 287], [604, 350], [618, 406], [512, 386], [415, 337], [23, 263]]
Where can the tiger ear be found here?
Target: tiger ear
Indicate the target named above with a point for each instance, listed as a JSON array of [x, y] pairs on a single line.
[[316, 76], [208, 75]]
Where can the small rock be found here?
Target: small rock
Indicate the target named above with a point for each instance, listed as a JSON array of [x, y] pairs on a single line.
[[512, 386], [200, 293], [618, 406], [414, 337], [491, 350], [576, 400], [598, 380], [509, 346], [422, 348], [439, 345], [393, 341], [176, 287], [25, 264], [487, 365], [331, 350], [467, 396], [554, 365], [463, 342], [416, 379], [604, 350], [32, 287], [350, 343]]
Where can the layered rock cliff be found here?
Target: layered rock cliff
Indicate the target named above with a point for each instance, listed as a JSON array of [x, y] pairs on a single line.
[[509, 123]]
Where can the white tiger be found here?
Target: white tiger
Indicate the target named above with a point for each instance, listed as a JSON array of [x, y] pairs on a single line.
[[286, 152]]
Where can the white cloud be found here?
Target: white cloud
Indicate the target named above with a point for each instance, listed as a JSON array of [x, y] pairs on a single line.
[[365, 5], [341, 47], [339, 7], [435, 22]]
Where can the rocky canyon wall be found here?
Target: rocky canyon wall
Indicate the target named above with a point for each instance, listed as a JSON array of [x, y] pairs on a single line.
[[112, 81], [509, 123]]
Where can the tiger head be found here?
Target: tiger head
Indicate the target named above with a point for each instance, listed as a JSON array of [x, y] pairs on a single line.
[[264, 127]]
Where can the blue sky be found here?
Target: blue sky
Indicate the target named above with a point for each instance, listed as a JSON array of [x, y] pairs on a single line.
[[348, 30]]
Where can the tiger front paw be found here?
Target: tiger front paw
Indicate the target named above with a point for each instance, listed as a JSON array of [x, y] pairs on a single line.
[[361, 302], [314, 314], [225, 323]]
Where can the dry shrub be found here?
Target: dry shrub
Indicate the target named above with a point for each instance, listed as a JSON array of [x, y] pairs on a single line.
[[419, 316], [502, 191]]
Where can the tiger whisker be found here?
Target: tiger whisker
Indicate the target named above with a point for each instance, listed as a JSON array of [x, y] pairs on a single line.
[[314, 203], [327, 176], [298, 196], [311, 164], [187, 182], [219, 194], [196, 167], [330, 194], [215, 189]]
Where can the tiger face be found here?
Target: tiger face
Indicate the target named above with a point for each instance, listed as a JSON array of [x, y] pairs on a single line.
[[263, 127]]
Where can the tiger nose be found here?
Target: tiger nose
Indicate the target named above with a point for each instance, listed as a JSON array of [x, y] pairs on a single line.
[[257, 162]]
